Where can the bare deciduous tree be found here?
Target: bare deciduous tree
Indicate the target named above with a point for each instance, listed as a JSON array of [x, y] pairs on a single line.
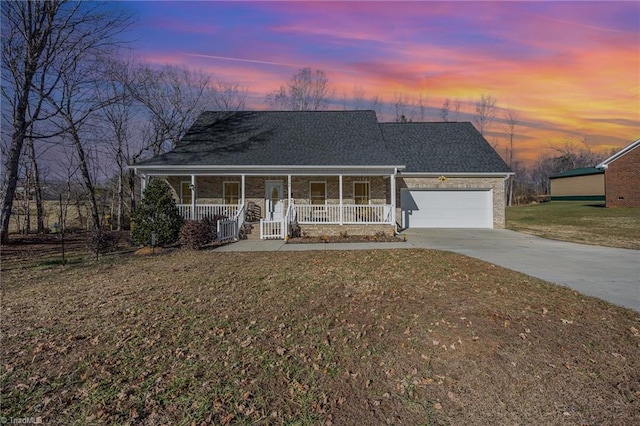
[[40, 39], [358, 98], [230, 96], [402, 108], [116, 123], [308, 90], [376, 104], [456, 108], [445, 109], [172, 97], [511, 120], [486, 110], [422, 104]]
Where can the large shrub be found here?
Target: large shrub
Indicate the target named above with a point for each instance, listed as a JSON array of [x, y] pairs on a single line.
[[195, 234], [157, 213]]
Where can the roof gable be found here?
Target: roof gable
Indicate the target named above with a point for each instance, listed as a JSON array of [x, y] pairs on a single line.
[[623, 151], [450, 147]]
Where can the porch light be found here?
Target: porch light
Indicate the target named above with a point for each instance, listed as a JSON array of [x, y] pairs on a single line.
[[442, 178]]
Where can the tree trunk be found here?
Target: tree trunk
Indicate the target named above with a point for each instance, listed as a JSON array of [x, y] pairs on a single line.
[[37, 186], [11, 167], [86, 176], [120, 200], [132, 189]]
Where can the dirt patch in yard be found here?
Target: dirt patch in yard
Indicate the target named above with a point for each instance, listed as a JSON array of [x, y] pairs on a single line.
[[339, 337]]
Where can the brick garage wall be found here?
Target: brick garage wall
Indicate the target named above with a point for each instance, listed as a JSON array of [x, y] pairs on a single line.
[[622, 180], [494, 183]]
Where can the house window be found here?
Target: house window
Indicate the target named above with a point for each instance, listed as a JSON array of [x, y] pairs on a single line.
[[231, 192], [361, 193], [318, 192], [185, 192]]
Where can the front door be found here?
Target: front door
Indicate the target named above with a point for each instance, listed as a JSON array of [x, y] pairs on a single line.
[[274, 199]]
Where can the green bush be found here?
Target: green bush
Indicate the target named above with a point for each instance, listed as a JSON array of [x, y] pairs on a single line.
[[157, 213]]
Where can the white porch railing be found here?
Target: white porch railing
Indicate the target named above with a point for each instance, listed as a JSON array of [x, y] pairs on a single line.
[[272, 229], [229, 229], [278, 228], [226, 230], [208, 210], [351, 214]]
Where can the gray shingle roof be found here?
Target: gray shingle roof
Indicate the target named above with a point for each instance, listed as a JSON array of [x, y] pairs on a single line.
[[273, 138], [330, 138], [442, 148]]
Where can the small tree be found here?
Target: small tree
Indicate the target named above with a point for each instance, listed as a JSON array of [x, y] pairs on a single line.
[[157, 213]]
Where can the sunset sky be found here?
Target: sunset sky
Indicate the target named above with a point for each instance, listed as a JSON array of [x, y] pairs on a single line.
[[570, 68]]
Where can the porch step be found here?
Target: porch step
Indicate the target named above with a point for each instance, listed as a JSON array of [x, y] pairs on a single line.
[[251, 230]]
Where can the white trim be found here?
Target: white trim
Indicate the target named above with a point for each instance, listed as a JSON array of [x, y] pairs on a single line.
[[340, 195], [258, 166], [242, 189], [143, 185], [452, 174], [392, 197], [264, 170], [224, 192], [614, 157], [193, 197]]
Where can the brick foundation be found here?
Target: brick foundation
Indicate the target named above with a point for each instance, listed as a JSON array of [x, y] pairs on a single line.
[[336, 230]]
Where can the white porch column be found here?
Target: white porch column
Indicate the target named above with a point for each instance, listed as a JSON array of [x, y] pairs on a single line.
[[393, 196], [193, 197], [242, 185], [341, 212], [143, 185], [288, 190]]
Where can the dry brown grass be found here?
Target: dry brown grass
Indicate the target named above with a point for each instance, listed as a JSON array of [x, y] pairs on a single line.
[[339, 337]]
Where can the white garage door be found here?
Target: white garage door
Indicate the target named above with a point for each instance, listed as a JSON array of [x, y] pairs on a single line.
[[446, 209]]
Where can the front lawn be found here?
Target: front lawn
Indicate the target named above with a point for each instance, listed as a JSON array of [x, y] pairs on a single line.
[[580, 222], [332, 337]]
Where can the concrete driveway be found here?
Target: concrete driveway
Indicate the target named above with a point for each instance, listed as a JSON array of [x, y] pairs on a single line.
[[608, 273]]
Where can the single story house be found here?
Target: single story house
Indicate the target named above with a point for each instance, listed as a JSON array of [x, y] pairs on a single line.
[[586, 184], [622, 177], [333, 171]]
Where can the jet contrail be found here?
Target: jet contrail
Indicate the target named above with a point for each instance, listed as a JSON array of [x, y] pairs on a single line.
[[254, 61]]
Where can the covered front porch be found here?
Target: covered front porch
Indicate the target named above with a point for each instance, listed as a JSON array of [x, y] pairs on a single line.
[[361, 201]]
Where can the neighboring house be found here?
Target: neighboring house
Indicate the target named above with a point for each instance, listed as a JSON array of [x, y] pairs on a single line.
[[622, 177], [585, 184], [333, 172]]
